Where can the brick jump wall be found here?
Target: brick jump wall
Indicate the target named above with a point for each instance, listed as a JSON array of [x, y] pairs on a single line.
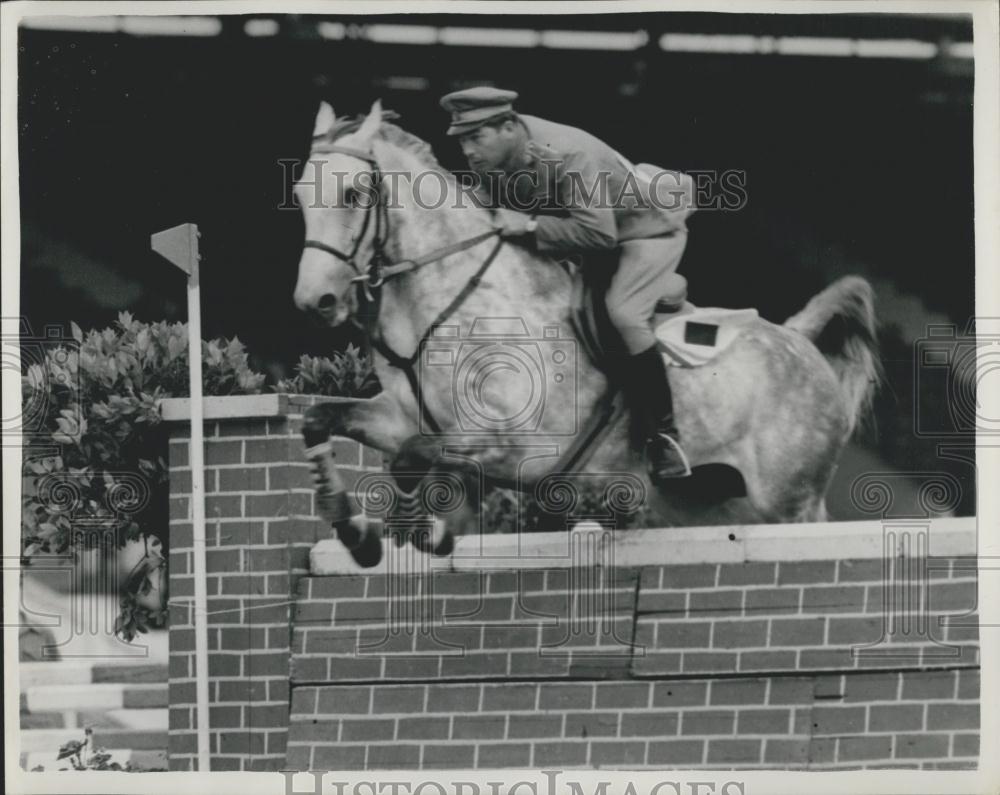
[[260, 526], [769, 652], [783, 647]]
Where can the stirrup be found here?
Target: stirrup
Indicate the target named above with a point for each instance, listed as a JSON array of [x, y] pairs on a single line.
[[679, 455]]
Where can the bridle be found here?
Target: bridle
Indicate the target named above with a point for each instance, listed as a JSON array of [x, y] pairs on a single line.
[[372, 277], [379, 268]]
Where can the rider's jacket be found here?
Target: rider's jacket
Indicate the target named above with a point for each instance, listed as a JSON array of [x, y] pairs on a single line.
[[584, 194]]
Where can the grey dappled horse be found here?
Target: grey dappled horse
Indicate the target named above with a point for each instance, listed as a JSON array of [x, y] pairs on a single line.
[[778, 405]]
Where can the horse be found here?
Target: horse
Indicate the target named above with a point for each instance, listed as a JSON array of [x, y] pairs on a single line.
[[423, 272]]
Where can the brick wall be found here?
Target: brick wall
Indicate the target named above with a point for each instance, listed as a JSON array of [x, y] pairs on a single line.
[[803, 654], [731, 665], [260, 528]]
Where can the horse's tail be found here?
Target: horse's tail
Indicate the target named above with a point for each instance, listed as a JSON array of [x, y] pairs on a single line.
[[840, 321]]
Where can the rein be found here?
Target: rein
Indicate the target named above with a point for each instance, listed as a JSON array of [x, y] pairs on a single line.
[[369, 282], [407, 265]]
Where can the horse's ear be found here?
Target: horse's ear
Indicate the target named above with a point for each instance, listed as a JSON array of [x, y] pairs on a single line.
[[324, 119], [372, 122]]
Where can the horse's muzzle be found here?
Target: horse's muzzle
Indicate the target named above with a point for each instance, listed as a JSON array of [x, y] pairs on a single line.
[[330, 311]]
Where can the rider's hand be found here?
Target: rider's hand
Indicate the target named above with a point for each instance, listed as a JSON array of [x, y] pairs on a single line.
[[541, 152], [512, 223]]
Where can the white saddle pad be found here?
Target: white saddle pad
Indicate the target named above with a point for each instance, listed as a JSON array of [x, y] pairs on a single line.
[[696, 335]]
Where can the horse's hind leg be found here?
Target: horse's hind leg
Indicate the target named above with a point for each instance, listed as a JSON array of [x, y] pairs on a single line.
[[411, 464], [435, 493]]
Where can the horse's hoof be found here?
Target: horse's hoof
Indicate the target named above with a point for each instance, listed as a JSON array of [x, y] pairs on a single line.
[[440, 543], [369, 552], [349, 534], [363, 542]]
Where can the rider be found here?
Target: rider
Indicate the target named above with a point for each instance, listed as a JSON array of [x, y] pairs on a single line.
[[577, 186]]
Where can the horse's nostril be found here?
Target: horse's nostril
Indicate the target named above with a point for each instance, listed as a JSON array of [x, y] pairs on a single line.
[[328, 301]]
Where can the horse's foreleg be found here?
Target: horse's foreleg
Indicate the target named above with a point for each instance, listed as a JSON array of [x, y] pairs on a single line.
[[334, 505], [377, 422]]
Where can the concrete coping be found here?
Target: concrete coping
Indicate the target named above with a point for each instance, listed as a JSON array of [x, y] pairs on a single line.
[[226, 407], [588, 546], [234, 407]]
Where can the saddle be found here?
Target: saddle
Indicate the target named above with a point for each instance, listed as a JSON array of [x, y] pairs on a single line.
[[589, 314], [603, 345]]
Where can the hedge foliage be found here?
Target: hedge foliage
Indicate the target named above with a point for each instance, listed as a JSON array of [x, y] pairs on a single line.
[[348, 374], [94, 473]]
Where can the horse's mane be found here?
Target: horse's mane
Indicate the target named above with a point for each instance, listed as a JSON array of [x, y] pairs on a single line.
[[390, 133]]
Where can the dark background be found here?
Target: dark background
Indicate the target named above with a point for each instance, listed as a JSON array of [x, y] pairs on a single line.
[[859, 165]]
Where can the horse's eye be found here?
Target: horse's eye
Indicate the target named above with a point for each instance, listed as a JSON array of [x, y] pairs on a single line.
[[350, 197]]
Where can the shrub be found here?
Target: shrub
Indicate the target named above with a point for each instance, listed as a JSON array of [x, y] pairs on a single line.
[[347, 374], [506, 511], [92, 474], [76, 754]]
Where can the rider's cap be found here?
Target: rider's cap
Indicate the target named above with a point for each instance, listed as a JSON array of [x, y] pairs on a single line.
[[473, 107]]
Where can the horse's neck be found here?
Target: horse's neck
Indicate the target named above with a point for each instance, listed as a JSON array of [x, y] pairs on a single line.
[[437, 221], [518, 279]]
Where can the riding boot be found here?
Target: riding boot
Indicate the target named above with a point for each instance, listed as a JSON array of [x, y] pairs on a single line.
[[653, 402]]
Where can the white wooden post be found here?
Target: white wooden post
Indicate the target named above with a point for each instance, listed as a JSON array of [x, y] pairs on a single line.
[[179, 245]]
